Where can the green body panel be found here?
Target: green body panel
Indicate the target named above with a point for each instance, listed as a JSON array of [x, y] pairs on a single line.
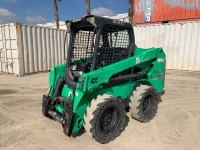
[[67, 92], [123, 90], [56, 72], [89, 85]]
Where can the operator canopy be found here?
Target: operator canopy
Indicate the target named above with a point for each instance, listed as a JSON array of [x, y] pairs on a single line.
[[97, 42]]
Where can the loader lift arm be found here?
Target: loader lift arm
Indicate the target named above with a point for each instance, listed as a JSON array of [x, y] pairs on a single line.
[[103, 75]]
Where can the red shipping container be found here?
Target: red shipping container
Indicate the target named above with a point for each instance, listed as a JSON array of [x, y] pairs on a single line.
[[164, 11]]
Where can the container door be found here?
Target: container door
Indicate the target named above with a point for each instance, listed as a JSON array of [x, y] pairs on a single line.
[[3, 57], [8, 49]]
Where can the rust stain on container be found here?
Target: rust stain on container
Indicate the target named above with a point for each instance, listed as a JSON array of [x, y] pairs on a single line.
[[158, 11]]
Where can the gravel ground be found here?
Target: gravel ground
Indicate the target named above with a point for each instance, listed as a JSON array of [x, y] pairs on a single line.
[[175, 127]]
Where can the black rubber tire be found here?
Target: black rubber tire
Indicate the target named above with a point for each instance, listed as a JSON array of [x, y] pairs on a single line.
[[104, 118], [144, 103]]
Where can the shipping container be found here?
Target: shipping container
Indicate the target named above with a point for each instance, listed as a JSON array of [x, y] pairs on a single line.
[[27, 49], [180, 41], [165, 11]]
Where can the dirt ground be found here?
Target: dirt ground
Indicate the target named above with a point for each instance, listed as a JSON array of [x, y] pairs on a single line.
[[175, 127]]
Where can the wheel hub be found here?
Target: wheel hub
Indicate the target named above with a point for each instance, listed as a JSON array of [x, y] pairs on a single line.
[[146, 103], [109, 120]]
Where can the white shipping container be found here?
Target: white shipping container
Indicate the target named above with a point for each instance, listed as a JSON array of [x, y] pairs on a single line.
[[180, 41], [27, 49]]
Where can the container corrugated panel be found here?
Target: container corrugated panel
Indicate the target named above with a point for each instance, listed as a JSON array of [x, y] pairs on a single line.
[[27, 49], [180, 41], [158, 11], [42, 47]]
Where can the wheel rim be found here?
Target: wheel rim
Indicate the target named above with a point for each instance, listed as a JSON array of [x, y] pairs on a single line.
[[147, 104], [109, 120]]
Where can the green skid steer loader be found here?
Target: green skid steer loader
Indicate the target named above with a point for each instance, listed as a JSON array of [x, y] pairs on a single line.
[[105, 76]]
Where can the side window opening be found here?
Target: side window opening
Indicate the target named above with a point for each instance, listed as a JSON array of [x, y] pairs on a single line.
[[113, 46], [82, 52]]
